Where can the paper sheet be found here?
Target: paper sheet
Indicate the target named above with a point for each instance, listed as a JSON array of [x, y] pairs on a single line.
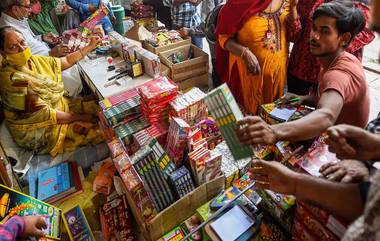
[[282, 113], [232, 224]]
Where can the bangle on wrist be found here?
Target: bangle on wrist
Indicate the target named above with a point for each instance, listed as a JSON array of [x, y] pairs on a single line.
[[243, 52]]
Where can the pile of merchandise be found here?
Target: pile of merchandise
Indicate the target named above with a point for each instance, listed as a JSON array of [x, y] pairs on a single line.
[[190, 106], [76, 39], [67, 183], [143, 14], [155, 98], [164, 37], [154, 176]]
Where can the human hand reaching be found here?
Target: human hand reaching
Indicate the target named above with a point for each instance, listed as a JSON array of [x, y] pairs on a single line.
[[50, 38], [346, 171], [34, 226], [185, 32], [291, 99], [59, 50], [274, 176], [350, 142], [254, 130], [94, 42], [91, 8]]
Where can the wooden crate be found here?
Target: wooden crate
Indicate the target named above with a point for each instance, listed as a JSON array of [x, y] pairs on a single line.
[[196, 66], [178, 212], [165, 70], [200, 81], [157, 50]]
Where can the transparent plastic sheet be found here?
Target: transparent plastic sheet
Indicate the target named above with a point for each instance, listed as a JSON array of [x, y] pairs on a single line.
[[85, 157]]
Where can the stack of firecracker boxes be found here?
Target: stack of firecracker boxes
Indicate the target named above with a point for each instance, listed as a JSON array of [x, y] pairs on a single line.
[[162, 161]]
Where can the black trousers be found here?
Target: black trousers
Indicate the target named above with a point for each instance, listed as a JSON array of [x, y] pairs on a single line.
[[298, 86]]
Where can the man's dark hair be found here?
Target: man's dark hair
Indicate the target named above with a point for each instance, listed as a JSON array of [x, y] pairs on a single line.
[[6, 4], [348, 18], [3, 31]]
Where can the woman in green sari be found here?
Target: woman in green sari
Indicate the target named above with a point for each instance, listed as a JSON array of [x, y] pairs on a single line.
[[37, 114]]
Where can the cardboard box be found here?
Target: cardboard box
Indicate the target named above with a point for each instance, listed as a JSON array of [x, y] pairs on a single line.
[[165, 70], [187, 69], [160, 49], [200, 81], [138, 33], [179, 211]]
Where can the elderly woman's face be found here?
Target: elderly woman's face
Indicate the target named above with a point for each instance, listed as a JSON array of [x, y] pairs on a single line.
[[14, 43]]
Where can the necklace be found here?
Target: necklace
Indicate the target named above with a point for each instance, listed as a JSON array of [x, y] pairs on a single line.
[[268, 33], [272, 37]]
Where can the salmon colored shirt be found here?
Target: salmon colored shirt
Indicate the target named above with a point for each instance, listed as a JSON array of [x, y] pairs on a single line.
[[346, 76]]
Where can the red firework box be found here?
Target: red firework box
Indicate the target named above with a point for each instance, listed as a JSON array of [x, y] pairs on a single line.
[[117, 99], [197, 161], [116, 221], [157, 89], [136, 192], [177, 140], [190, 106], [127, 173], [155, 97], [336, 226], [313, 225], [116, 147], [301, 233]]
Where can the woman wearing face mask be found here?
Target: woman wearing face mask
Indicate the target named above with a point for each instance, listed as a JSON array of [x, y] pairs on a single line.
[[37, 114], [40, 20]]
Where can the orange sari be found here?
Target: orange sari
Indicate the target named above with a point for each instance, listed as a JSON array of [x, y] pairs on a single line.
[[265, 35]]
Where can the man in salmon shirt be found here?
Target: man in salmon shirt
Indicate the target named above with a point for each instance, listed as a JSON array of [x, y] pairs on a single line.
[[342, 95]]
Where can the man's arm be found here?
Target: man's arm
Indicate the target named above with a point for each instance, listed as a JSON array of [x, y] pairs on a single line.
[[328, 109], [351, 142], [77, 5], [330, 195], [343, 200], [178, 2]]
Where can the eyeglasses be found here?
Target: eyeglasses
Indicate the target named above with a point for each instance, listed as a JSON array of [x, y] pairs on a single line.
[[25, 6]]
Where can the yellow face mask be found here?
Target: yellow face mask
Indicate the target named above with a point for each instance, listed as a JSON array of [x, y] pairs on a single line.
[[19, 59]]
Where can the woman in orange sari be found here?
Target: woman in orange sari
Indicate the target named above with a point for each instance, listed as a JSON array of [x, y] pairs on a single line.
[[252, 51]]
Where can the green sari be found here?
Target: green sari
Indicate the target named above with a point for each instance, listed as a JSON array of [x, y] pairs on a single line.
[[42, 23]]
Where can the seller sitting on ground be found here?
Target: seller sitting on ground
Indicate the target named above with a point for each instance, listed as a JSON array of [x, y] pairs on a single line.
[[38, 116], [14, 13], [342, 95]]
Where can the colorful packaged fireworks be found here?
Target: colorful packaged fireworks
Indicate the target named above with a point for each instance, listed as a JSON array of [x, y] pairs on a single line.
[[176, 141], [181, 182], [223, 107], [190, 106]]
